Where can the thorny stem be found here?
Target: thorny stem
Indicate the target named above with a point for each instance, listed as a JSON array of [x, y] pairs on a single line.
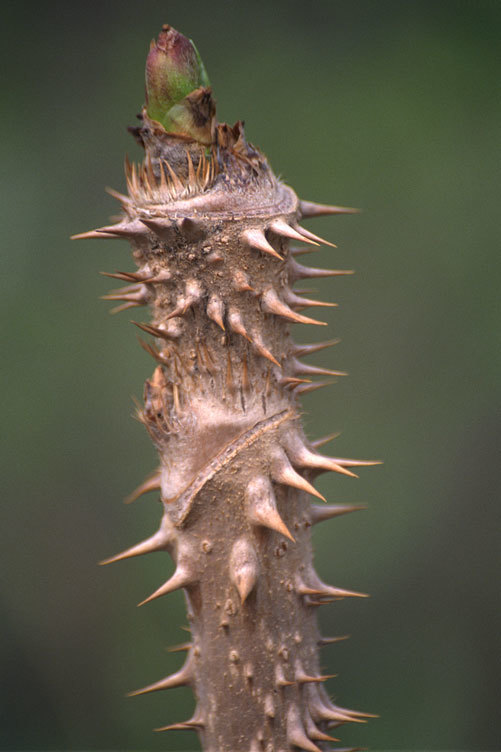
[[210, 227]]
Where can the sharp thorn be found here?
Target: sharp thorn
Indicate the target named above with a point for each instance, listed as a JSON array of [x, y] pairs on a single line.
[[179, 187], [160, 541], [320, 514], [282, 228], [283, 472], [296, 735], [312, 236], [215, 311], [181, 678], [307, 388], [302, 251], [244, 567], [180, 579], [302, 456], [300, 350], [271, 303], [325, 440], [163, 228], [355, 463], [262, 506], [192, 724], [298, 302], [155, 331], [181, 648], [331, 640], [236, 324], [124, 307], [256, 239], [347, 711], [306, 370], [323, 590], [262, 350], [121, 197], [310, 209], [151, 483], [91, 234], [298, 271], [280, 680], [241, 282], [193, 229]]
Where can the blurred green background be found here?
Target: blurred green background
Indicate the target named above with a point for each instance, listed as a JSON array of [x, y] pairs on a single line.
[[390, 106]]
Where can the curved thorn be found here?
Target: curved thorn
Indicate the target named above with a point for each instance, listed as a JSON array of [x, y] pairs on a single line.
[[296, 735], [215, 311], [325, 591], [241, 282], [298, 302], [192, 294], [151, 483], [289, 382], [312, 236], [176, 727], [302, 251], [160, 541], [280, 227], [121, 197], [283, 472], [179, 187], [132, 229], [195, 722], [303, 678], [262, 508], [307, 388], [326, 711], [271, 303], [155, 331], [191, 228], [236, 324], [302, 456], [163, 228], [256, 239], [280, 680], [306, 370], [180, 579], [181, 678], [314, 732], [325, 439], [262, 350], [244, 567]]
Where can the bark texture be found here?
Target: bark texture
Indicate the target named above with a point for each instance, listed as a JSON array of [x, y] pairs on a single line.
[[210, 231]]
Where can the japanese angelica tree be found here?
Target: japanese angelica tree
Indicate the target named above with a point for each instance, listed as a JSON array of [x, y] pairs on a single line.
[[210, 227]]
